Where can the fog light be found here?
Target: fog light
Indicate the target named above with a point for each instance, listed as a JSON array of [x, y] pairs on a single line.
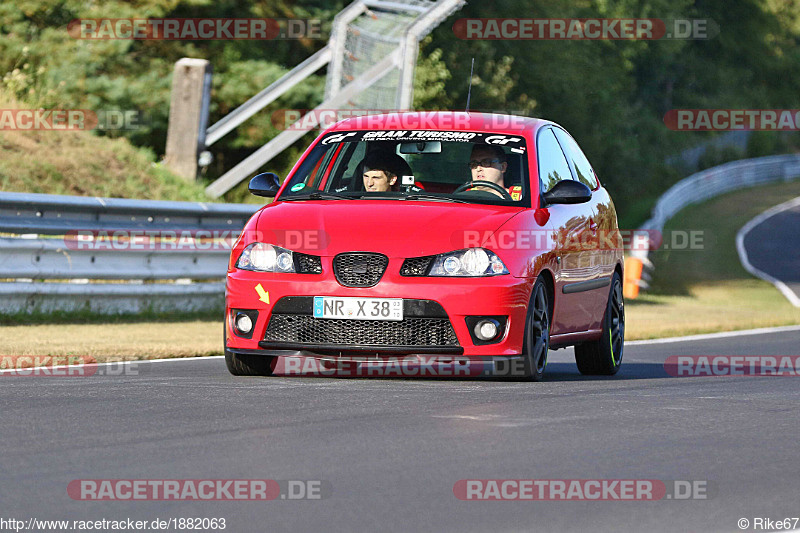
[[243, 323], [486, 329]]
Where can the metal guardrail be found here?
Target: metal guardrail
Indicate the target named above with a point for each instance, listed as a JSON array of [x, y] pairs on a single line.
[[56, 215], [719, 180], [714, 182], [107, 298], [56, 259], [52, 237], [140, 275]]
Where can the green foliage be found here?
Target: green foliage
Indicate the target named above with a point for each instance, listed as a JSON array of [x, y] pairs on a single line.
[[713, 156], [41, 65], [430, 78], [762, 143], [611, 95]]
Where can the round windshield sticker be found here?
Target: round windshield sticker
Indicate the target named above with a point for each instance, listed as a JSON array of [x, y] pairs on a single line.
[[297, 187]]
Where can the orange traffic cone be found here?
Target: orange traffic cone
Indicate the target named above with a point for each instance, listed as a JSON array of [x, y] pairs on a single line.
[[633, 274]]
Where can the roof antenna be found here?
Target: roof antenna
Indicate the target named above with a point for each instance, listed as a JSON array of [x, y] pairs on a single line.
[[469, 91]]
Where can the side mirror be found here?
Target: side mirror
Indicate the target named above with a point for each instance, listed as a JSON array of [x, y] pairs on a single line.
[[568, 192], [266, 184]]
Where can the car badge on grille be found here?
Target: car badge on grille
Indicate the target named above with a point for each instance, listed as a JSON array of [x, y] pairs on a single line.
[[360, 266]]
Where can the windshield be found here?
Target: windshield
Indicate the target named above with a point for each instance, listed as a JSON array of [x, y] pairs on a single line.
[[444, 166]]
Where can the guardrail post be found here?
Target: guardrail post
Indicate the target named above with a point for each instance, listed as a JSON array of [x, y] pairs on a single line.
[[188, 116]]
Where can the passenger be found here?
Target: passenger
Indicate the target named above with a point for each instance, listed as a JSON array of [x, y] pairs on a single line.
[[382, 171]]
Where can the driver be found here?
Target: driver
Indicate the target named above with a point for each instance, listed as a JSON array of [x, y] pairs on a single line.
[[488, 163]]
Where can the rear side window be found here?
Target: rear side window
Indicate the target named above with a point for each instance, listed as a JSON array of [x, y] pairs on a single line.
[[553, 166], [583, 169]]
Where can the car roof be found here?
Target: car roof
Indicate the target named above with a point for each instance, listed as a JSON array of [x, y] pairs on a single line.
[[441, 120]]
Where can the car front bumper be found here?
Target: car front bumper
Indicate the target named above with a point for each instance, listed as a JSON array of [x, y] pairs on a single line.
[[448, 302]]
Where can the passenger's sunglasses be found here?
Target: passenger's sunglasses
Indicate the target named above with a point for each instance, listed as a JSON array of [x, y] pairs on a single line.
[[483, 163]]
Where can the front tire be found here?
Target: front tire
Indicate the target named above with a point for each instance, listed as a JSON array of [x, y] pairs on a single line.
[[536, 341], [247, 364], [604, 356]]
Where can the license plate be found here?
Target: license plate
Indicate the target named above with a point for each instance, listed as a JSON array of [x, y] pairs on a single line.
[[358, 308]]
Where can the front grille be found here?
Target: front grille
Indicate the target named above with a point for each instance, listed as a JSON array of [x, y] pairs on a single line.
[[359, 269], [416, 266], [297, 328], [307, 264]]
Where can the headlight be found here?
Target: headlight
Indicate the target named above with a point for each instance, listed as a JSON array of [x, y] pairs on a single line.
[[263, 257], [469, 262]]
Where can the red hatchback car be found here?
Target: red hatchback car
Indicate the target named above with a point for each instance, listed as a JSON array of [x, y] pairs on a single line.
[[455, 236]]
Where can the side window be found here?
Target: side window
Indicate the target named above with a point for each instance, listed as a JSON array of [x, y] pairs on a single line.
[[355, 154], [582, 166], [346, 165], [553, 166]]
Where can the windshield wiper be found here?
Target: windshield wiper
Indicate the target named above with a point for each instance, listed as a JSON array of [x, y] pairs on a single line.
[[374, 196], [434, 198], [414, 196], [318, 195]]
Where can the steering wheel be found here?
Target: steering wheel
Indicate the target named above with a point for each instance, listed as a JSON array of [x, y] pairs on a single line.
[[483, 183]]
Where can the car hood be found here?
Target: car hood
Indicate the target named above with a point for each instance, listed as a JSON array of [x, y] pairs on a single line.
[[396, 228]]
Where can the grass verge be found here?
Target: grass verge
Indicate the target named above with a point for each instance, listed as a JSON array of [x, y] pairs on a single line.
[[80, 163], [708, 290], [115, 341]]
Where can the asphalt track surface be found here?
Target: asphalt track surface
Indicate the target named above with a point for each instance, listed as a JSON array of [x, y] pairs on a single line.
[[391, 450], [773, 247]]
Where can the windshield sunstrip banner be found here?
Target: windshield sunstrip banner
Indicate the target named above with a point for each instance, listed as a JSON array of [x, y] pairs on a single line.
[[514, 142]]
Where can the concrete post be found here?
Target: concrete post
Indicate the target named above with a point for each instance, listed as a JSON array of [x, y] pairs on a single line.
[[188, 116]]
